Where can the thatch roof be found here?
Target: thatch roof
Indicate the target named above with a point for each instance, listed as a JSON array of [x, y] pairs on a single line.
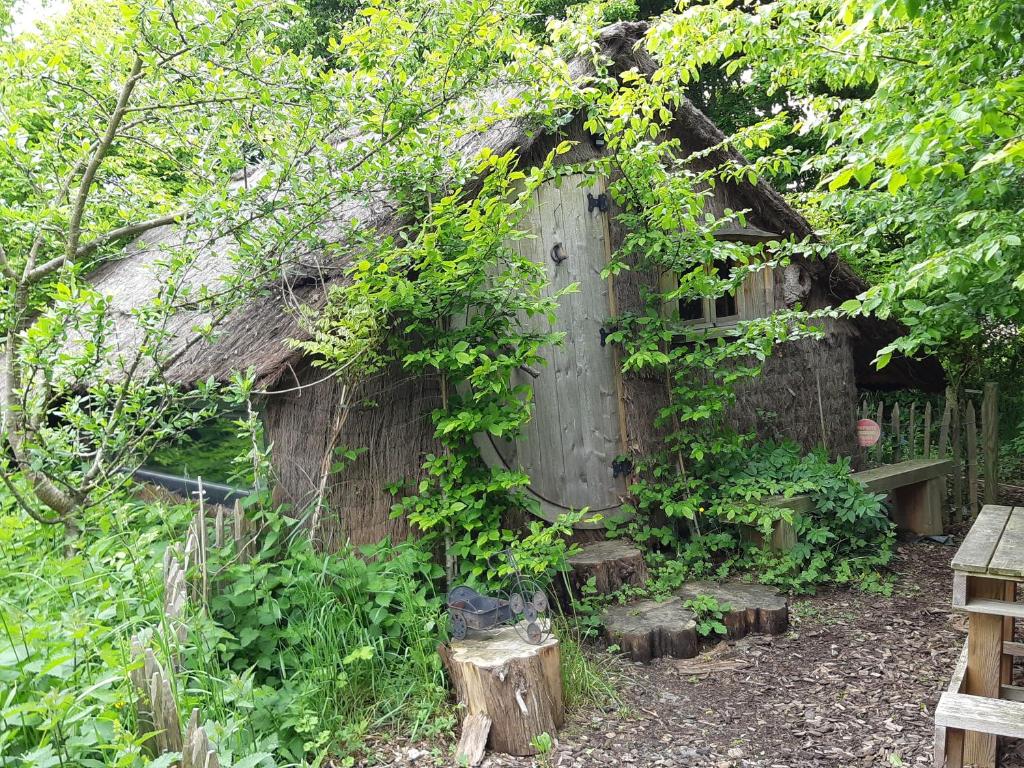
[[255, 335]]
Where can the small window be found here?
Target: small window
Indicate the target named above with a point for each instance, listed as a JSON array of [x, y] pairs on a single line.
[[753, 298]]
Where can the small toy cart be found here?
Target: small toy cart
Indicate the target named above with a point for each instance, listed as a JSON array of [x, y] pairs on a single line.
[[468, 609]]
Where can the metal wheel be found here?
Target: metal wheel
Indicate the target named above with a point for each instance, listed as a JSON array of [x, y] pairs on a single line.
[[458, 626], [539, 601], [517, 603], [533, 632]]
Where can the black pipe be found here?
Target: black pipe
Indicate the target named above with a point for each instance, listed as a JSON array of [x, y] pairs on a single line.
[[187, 487]]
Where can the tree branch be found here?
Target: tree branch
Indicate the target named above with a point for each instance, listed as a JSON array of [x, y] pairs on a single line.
[[75, 225], [129, 230]]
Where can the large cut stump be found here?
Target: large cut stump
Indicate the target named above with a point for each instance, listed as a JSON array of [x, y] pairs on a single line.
[[647, 629], [752, 607], [515, 683], [611, 564]]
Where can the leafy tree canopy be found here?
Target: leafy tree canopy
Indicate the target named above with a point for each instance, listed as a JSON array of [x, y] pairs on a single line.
[[919, 105]]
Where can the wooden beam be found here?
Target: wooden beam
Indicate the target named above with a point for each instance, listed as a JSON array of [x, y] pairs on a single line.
[[984, 657]]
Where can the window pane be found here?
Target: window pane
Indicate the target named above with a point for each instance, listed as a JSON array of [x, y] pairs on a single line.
[[691, 309], [725, 305]]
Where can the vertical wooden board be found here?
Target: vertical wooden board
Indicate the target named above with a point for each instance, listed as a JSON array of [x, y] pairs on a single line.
[[912, 432], [881, 442], [597, 400], [956, 452], [984, 656], [604, 370], [944, 431], [574, 406], [570, 444], [990, 440], [972, 460], [896, 436], [566, 392], [541, 448], [927, 447]]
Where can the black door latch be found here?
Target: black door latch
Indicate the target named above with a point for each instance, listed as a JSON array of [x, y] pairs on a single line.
[[556, 254]]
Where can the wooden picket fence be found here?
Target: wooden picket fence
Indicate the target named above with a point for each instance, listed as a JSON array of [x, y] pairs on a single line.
[[964, 429], [187, 581]]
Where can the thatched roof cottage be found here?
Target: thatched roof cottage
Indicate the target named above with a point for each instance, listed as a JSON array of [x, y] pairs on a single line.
[[587, 412]]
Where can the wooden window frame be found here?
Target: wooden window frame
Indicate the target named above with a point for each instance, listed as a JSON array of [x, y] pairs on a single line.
[[754, 298]]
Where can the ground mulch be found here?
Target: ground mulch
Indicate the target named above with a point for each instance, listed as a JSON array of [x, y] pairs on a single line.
[[853, 683]]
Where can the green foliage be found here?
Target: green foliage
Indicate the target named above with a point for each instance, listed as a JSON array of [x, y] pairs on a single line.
[[66, 614], [922, 153], [708, 613], [326, 649]]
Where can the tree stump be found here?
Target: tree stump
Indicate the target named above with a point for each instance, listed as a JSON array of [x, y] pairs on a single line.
[[752, 607], [612, 564], [647, 629], [517, 684]]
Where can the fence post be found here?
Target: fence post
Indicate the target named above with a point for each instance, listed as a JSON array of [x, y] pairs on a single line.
[[956, 455], [880, 443], [928, 430], [944, 431], [972, 459], [990, 440], [912, 432], [896, 432]]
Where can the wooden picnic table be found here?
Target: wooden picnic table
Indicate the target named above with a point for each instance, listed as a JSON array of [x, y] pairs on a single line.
[[986, 570]]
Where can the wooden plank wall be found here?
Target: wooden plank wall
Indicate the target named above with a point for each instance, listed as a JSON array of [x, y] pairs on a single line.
[[963, 428]]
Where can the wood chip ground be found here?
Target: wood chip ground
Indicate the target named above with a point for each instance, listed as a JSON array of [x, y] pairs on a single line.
[[852, 684]]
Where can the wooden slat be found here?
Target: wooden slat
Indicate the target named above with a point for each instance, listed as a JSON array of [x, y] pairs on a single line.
[[1008, 557], [956, 682], [881, 442], [944, 432], [1011, 693], [927, 452], [1011, 648], [956, 453], [905, 473], [800, 503], [912, 432], [980, 543], [896, 447], [990, 441], [972, 459], [981, 714], [994, 607]]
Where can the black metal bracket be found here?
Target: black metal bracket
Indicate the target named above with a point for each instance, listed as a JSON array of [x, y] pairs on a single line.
[[556, 254], [600, 202], [622, 467], [605, 333]]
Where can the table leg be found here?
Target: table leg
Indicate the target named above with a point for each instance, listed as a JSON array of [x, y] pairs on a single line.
[[1007, 666], [984, 665]]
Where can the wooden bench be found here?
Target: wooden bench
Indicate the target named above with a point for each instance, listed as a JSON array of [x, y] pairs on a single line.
[[957, 713], [917, 486]]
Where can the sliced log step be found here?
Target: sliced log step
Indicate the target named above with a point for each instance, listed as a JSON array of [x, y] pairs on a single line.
[[648, 629], [752, 607], [612, 564]]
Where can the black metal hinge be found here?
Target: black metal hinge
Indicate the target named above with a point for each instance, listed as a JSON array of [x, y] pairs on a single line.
[[622, 467], [600, 202]]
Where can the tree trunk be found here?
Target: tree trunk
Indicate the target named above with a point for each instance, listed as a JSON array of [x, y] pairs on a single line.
[[515, 683]]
